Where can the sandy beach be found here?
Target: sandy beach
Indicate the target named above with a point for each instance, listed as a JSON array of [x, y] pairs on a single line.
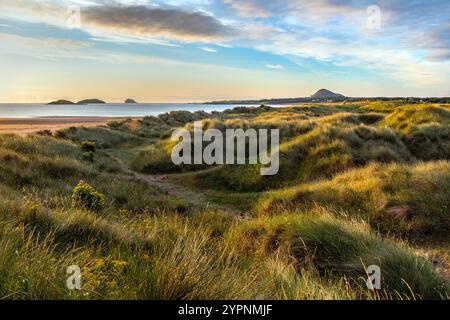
[[30, 125]]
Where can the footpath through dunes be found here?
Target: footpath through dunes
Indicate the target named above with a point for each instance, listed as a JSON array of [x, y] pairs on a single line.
[[163, 183]]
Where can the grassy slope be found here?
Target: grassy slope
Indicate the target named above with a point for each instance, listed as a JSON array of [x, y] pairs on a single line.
[[408, 200], [310, 241]]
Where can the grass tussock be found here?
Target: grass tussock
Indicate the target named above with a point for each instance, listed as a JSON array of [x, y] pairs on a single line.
[[336, 248], [425, 130], [407, 200], [104, 137], [182, 259]]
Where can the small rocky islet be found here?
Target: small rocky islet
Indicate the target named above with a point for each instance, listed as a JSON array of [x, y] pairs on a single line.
[[86, 101]]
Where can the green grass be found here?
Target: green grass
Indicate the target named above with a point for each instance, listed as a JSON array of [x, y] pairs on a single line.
[[407, 200], [188, 258], [384, 106], [178, 258], [332, 145], [359, 183], [425, 130], [104, 137], [337, 248]]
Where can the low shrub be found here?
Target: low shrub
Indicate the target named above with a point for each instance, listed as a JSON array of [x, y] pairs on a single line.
[[88, 146], [88, 156], [45, 132], [85, 196]]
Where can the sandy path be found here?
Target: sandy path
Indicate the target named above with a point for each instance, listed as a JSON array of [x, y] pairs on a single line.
[[163, 184]]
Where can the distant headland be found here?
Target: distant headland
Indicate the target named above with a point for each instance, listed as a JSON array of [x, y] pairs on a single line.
[[320, 96], [324, 95]]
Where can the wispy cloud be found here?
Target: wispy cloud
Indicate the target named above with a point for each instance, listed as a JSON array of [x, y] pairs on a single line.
[[248, 8], [59, 49], [208, 49], [41, 48], [223, 45], [275, 66]]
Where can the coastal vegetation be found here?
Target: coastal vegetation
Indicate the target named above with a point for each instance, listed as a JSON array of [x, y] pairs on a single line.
[[360, 183]]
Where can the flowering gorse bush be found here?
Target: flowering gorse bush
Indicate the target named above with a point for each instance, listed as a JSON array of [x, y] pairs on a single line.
[[85, 196]]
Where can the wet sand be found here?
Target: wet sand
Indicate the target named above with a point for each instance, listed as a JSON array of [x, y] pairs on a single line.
[[29, 125]]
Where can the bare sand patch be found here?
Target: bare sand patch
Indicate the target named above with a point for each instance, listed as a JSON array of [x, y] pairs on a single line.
[[30, 125]]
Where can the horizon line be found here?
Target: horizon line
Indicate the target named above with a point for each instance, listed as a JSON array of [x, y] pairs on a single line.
[[237, 100]]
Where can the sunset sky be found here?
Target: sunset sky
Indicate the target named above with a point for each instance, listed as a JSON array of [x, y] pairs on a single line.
[[201, 50]]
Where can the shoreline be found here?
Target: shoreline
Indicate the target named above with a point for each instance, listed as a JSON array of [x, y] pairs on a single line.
[[53, 123]]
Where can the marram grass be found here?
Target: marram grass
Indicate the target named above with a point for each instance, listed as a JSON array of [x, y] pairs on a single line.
[[359, 185]]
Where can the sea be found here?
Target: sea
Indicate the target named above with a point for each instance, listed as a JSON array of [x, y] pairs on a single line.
[[31, 110]]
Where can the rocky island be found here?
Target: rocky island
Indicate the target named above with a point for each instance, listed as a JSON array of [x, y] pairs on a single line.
[[67, 102], [130, 101], [91, 101], [61, 102]]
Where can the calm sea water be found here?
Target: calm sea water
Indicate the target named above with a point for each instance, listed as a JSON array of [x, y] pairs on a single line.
[[19, 110]]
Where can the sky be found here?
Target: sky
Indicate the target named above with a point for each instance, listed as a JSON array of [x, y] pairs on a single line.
[[203, 50]]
